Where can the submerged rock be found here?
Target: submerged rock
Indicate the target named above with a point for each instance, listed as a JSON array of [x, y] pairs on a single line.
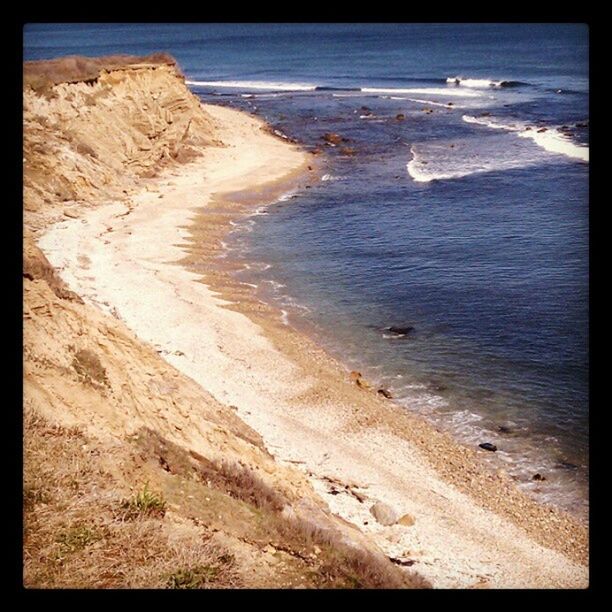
[[348, 151], [566, 465], [488, 446], [332, 138], [400, 116], [384, 514], [400, 331]]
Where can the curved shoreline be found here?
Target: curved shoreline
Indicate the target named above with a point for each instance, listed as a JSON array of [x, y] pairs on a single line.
[[278, 379]]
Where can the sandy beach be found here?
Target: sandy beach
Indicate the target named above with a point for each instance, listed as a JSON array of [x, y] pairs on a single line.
[[153, 262]]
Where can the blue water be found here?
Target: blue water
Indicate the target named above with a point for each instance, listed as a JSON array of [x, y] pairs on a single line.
[[465, 223]]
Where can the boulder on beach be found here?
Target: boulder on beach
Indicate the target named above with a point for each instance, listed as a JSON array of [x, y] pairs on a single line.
[[384, 514], [359, 380], [385, 393], [488, 446]]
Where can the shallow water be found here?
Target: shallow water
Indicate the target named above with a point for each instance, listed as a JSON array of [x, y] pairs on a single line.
[[468, 223]]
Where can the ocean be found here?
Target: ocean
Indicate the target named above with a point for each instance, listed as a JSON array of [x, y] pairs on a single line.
[[456, 205]]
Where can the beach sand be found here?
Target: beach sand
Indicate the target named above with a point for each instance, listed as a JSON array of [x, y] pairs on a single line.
[[154, 263]]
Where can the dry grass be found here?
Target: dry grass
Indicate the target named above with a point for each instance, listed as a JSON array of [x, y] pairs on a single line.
[[335, 565], [77, 534], [87, 527], [42, 75]]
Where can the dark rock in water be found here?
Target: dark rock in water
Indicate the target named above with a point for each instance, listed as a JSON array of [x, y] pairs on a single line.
[[365, 108], [450, 104], [582, 124], [542, 130], [348, 151], [438, 387], [538, 476], [485, 114], [566, 465], [488, 446], [385, 393], [400, 116], [400, 331], [332, 138], [503, 429]]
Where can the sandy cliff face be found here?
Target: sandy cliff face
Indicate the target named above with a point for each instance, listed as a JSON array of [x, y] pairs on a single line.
[[133, 474], [91, 140]]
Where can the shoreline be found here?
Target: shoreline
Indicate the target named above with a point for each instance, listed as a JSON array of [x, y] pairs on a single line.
[[470, 525]]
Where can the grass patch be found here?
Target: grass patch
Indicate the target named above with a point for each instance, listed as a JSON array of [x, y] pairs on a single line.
[[77, 538], [145, 503], [201, 576]]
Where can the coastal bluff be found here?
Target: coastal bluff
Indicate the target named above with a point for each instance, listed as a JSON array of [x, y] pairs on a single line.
[[134, 475], [94, 127]]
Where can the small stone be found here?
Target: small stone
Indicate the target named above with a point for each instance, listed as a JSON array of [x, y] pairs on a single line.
[[407, 520], [383, 513], [538, 476], [385, 393]]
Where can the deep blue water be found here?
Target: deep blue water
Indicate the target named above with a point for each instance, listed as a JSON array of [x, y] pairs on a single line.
[[465, 223]]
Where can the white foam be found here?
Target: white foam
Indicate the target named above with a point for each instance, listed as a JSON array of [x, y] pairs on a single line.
[[289, 195], [434, 91], [551, 140], [474, 83], [260, 85], [429, 102]]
